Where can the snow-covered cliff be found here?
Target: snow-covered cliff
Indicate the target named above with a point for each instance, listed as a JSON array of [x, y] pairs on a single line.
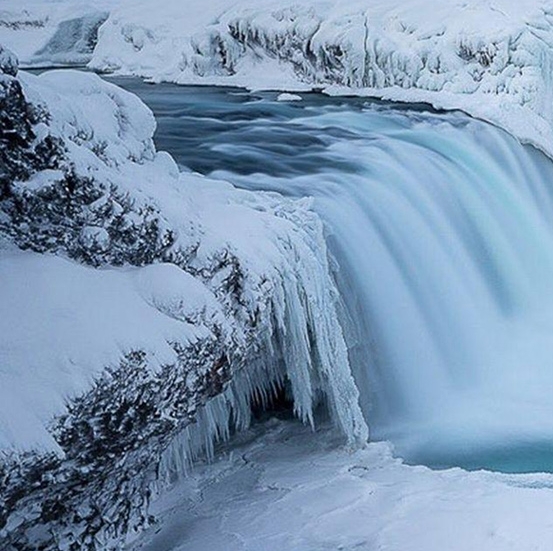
[[134, 296], [489, 58]]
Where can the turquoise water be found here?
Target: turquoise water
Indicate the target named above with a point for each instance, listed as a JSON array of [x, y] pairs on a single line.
[[440, 228]]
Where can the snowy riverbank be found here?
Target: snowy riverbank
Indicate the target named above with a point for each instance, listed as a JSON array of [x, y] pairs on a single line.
[[133, 295], [490, 59]]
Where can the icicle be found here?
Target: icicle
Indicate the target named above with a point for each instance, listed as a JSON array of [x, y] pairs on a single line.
[[228, 411], [303, 346]]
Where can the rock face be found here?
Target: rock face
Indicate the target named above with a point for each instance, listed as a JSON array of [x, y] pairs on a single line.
[[216, 295]]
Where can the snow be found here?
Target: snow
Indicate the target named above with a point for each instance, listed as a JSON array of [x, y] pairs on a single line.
[[288, 97], [279, 486], [93, 115], [63, 323], [491, 59], [50, 32], [84, 320]]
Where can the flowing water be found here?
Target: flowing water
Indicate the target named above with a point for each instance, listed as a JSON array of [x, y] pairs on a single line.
[[441, 231]]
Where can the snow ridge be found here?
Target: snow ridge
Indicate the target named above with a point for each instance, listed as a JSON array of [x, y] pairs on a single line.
[[491, 59]]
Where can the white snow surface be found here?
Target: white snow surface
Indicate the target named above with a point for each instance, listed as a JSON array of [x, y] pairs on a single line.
[[63, 324], [280, 487], [490, 58]]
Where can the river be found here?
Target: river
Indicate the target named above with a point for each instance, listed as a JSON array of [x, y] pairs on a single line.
[[440, 229]]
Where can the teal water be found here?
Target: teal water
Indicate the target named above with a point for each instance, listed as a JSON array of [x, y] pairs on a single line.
[[441, 232]]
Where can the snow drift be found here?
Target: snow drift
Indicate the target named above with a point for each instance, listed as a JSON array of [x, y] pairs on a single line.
[[490, 59], [133, 296]]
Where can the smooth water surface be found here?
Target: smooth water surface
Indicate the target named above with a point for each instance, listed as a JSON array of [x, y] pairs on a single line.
[[441, 230]]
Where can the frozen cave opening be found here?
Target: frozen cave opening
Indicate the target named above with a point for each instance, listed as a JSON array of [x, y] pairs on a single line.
[[280, 405], [241, 406]]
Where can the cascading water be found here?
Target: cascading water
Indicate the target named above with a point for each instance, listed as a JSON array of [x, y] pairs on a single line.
[[441, 229]]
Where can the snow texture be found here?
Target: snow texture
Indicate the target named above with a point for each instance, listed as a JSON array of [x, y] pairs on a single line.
[[279, 487], [285, 292]]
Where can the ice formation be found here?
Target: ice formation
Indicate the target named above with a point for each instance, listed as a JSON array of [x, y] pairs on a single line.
[[491, 59], [286, 289], [139, 289]]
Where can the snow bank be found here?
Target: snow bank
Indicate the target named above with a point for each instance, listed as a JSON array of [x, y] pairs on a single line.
[[491, 59], [249, 270]]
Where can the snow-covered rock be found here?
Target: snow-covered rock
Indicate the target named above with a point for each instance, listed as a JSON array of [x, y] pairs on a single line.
[[285, 96], [133, 297], [489, 58]]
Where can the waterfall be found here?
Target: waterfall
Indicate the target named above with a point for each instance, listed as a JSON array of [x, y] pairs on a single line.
[[444, 242], [443, 238], [441, 232]]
